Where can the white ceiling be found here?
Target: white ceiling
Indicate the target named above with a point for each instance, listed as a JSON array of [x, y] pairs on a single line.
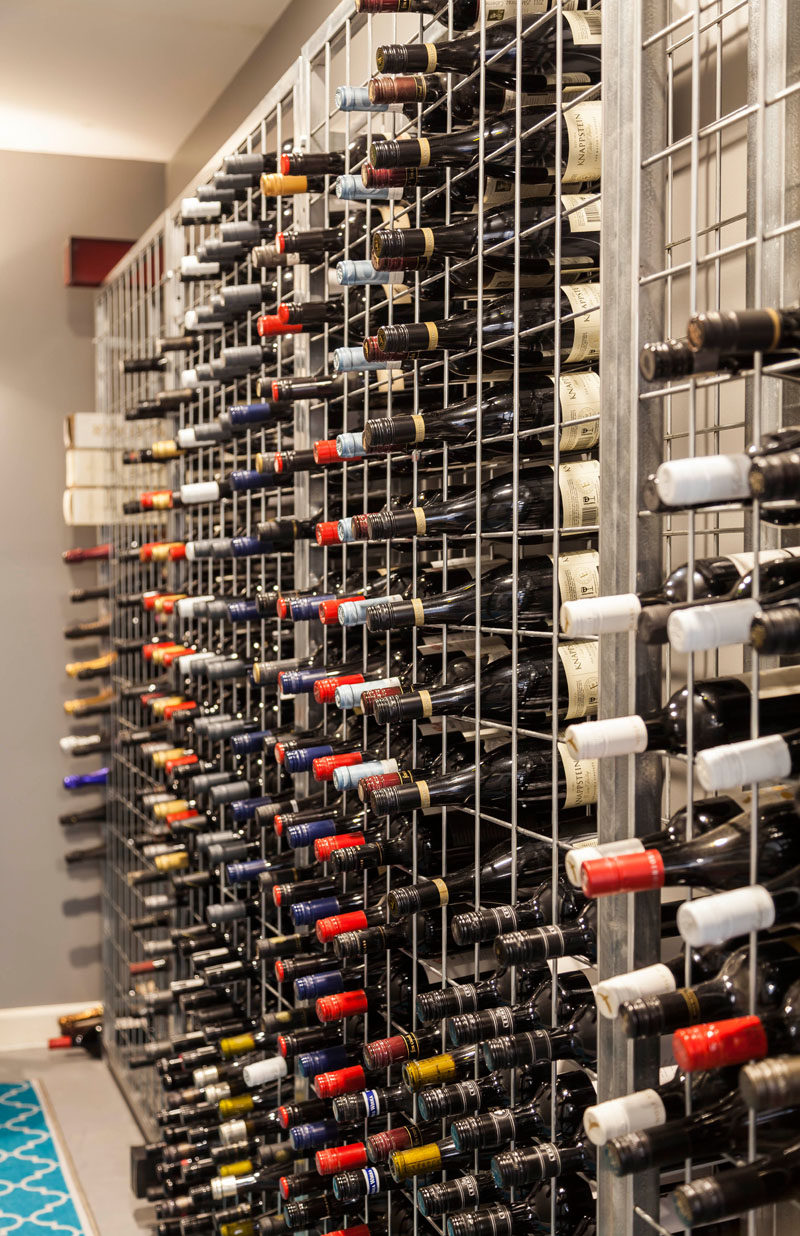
[[126, 79]]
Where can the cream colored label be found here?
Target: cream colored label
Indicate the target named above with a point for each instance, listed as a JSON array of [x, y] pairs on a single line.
[[444, 895], [744, 562], [419, 613], [502, 10], [772, 684], [424, 152], [579, 575], [580, 777], [581, 662], [422, 523], [584, 130], [579, 485], [386, 380], [579, 397], [500, 192], [426, 702], [584, 299], [585, 27], [433, 57], [427, 235], [424, 794], [433, 336], [584, 218], [419, 427]]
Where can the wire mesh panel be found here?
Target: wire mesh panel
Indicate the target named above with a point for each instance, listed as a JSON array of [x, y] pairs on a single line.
[[700, 158]]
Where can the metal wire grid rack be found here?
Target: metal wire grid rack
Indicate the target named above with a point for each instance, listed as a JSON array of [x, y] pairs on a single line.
[[699, 112], [131, 313], [301, 109]]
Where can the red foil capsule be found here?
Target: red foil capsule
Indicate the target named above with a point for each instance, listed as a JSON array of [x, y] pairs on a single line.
[[341, 1081], [324, 846], [383, 1052], [718, 1044], [325, 688], [343, 1004], [341, 1159], [325, 451], [368, 698], [327, 532], [367, 784], [328, 928], [322, 767], [623, 873]]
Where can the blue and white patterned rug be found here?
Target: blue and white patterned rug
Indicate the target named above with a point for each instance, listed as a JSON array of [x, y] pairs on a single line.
[[36, 1190]]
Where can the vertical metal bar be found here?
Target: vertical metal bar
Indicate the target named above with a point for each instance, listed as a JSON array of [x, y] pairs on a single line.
[[632, 245]]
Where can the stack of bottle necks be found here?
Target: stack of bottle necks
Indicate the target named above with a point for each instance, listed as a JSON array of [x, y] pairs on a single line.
[[91, 736], [734, 1030], [385, 1005]]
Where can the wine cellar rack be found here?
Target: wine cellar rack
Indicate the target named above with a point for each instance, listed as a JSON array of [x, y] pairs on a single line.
[[699, 199]]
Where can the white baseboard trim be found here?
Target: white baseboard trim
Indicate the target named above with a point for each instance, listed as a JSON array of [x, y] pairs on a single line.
[[33, 1025]]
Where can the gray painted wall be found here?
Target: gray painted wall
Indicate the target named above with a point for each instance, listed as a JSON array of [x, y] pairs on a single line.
[[269, 61], [49, 916]]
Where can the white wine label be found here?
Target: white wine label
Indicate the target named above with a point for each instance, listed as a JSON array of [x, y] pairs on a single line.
[[584, 218], [502, 10], [584, 130], [397, 293], [421, 522], [579, 484], [584, 299], [581, 779], [744, 562], [500, 192], [585, 27], [581, 662], [578, 575], [426, 702], [579, 397]]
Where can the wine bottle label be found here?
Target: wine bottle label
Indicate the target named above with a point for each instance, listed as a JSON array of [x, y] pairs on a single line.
[[372, 1180], [426, 703], [440, 885], [419, 612], [579, 484], [774, 683], [386, 380], [419, 427], [585, 211], [580, 777], [584, 157], [584, 299], [581, 663], [500, 192], [585, 27], [430, 245], [424, 798], [433, 335], [578, 574], [372, 1102], [744, 563], [503, 10], [579, 397], [425, 146]]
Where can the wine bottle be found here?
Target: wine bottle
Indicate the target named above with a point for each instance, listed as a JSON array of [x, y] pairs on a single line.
[[418, 248], [572, 1093], [674, 358], [652, 1108], [575, 1041], [771, 1083], [737, 1039], [495, 333], [577, 575], [765, 1182], [712, 920], [580, 41], [704, 1134], [529, 679], [463, 13], [578, 484], [574, 1210], [534, 773], [727, 994], [581, 147], [496, 869], [721, 713], [457, 424], [463, 1193]]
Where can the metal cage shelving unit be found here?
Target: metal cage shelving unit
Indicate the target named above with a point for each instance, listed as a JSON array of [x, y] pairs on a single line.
[[690, 220]]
